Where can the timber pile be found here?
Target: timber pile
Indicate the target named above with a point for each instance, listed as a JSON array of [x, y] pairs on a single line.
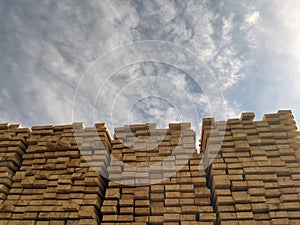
[[12, 147], [174, 197], [255, 176], [56, 175], [56, 184]]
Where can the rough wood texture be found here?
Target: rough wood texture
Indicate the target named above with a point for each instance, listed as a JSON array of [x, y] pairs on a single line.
[[56, 175], [256, 170], [55, 183], [178, 198]]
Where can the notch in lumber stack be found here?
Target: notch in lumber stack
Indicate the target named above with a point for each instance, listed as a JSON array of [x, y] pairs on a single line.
[[181, 197]]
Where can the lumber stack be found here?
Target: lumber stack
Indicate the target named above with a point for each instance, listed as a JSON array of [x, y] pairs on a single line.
[[179, 197], [56, 175], [56, 183], [255, 175], [12, 147]]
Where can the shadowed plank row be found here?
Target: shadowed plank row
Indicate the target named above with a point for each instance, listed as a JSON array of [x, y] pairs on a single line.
[[12, 147]]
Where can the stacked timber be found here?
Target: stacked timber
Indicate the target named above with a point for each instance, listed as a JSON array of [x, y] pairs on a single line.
[[139, 195], [255, 175], [57, 182]]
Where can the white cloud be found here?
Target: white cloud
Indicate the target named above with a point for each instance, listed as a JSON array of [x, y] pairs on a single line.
[[57, 41], [252, 18]]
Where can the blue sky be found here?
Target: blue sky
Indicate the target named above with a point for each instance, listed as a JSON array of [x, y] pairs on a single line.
[[251, 48]]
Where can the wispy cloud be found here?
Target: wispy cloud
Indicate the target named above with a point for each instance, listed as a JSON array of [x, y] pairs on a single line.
[[45, 49], [271, 77]]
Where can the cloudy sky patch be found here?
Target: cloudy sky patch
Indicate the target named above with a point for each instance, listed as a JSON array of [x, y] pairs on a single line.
[[250, 47]]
